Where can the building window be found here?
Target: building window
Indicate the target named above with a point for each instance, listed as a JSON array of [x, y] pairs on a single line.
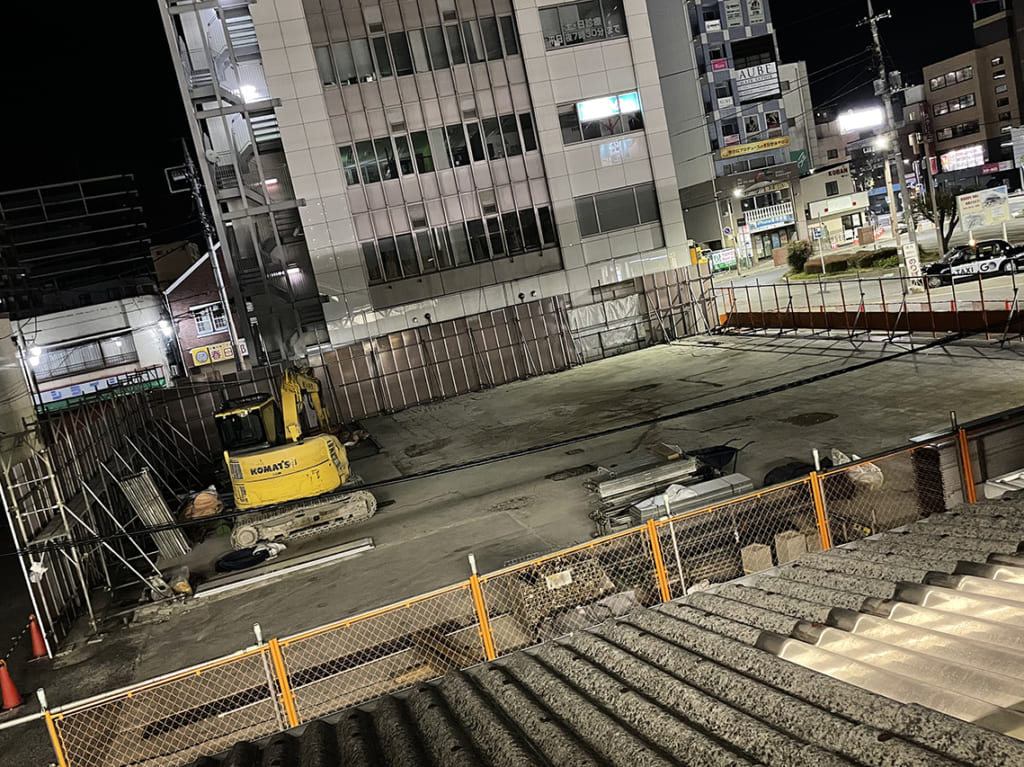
[[617, 209], [416, 50], [957, 131], [753, 51], [951, 78], [209, 319], [953, 105], [832, 154], [1003, 102], [598, 118], [997, 60], [438, 148], [1002, 88], [999, 74], [348, 165], [831, 188], [586, 22], [465, 242]]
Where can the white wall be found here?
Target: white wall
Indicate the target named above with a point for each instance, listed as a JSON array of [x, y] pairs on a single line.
[[139, 316], [814, 187], [798, 106], [680, 87], [310, 136]]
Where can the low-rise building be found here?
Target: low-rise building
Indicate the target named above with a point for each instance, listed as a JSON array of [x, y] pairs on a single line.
[[835, 210], [79, 353], [200, 322]]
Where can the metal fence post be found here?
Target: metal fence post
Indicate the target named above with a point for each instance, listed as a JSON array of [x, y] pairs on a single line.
[[58, 747], [481, 611], [819, 511], [282, 680], [970, 492], [659, 564]]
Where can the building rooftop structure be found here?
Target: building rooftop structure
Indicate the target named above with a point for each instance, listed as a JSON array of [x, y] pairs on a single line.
[[903, 648], [75, 244]]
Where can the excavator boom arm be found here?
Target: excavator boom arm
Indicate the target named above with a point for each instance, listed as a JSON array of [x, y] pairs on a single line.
[[294, 384]]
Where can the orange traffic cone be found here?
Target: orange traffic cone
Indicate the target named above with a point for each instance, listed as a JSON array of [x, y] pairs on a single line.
[[38, 645], [11, 697]]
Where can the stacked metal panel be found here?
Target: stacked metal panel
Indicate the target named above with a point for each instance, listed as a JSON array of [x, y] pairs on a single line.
[[149, 504]]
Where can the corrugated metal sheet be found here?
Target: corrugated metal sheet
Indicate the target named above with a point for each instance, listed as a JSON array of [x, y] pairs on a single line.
[[908, 649]]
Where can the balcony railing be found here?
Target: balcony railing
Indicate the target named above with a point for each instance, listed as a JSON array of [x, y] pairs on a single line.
[[769, 217]]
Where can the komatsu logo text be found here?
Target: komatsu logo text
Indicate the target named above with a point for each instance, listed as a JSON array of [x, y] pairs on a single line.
[[279, 466]]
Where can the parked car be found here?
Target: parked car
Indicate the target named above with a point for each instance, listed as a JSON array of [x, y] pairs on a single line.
[[987, 258]]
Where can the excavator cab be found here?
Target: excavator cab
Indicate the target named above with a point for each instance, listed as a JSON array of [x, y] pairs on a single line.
[[250, 423]]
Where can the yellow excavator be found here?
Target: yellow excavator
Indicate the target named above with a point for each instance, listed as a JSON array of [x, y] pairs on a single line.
[[289, 476]]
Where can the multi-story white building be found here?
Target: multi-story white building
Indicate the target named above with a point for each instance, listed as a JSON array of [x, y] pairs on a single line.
[[394, 165]]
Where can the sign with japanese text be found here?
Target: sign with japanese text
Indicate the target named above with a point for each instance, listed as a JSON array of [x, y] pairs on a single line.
[[755, 11], [583, 30], [207, 355], [983, 208], [1017, 136], [757, 146], [733, 13]]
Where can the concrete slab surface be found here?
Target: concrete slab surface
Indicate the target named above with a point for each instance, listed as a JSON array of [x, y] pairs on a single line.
[[511, 510]]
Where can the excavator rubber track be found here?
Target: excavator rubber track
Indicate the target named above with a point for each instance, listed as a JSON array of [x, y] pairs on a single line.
[[314, 516]]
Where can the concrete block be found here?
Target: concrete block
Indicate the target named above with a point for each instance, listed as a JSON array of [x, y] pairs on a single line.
[[813, 541], [789, 546], [756, 557]]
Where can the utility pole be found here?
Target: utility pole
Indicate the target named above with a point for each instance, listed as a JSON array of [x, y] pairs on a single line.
[[894, 148], [197, 196]]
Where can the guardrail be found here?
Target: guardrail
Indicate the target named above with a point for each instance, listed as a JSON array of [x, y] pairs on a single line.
[[282, 683]]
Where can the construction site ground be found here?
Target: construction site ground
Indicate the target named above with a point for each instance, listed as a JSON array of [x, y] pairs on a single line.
[[534, 504]]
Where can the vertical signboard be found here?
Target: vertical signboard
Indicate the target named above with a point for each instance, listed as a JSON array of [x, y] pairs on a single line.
[[755, 11], [1017, 135], [733, 13], [757, 83]]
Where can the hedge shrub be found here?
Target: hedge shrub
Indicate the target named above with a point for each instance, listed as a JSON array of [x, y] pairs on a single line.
[[798, 251]]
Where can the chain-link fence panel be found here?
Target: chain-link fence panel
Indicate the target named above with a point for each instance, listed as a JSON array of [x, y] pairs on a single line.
[[995, 451], [868, 497], [175, 720], [570, 590], [371, 655], [742, 536]]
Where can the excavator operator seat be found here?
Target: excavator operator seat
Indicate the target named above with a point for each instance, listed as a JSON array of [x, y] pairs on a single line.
[[250, 423]]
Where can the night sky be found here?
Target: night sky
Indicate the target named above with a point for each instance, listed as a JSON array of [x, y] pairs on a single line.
[[89, 89]]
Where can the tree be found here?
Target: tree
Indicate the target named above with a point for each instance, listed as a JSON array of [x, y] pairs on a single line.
[[945, 207]]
